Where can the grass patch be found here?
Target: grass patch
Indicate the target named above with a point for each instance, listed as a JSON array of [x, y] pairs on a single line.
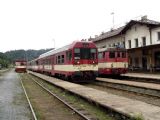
[[138, 117]]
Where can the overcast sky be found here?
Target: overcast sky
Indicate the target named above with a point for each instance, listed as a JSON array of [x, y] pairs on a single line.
[[36, 24]]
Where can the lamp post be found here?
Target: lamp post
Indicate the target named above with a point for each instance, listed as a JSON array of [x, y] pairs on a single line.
[[112, 19], [54, 43]]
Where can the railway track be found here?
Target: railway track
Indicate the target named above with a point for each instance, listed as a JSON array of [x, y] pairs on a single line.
[[105, 99], [137, 79], [149, 89], [28, 100], [117, 87], [79, 111]]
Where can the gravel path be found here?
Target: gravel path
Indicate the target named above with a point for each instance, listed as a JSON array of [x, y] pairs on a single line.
[[13, 103]]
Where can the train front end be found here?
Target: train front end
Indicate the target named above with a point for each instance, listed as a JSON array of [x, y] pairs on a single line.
[[20, 66], [85, 62]]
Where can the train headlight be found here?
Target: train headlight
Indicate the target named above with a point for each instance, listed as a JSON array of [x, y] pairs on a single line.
[[76, 62]]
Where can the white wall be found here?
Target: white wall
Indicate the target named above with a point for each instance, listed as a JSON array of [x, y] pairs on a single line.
[[155, 36], [137, 31], [110, 41]]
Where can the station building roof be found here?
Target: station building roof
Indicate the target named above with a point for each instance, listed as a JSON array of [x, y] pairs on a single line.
[[123, 29]]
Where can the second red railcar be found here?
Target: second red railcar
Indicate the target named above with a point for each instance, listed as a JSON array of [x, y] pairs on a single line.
[[112, 61]]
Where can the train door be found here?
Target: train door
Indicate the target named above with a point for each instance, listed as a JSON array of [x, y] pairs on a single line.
[[144, 63], [118, 59], [112, 58], [52, 63]]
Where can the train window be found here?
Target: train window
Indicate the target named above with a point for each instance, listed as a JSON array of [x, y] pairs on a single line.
[[59, 59], [21, 63], [49, 61], [85, 53], [56, 60], [100, 55], [76, 50], [123, 54], [62, 59], [111, 54], [118, 54], [93, 53], [103, 54], [69, 55], [76, 53], [93, 50]]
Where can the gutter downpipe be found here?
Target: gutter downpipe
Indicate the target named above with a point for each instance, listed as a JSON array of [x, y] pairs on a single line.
[[150, 54]]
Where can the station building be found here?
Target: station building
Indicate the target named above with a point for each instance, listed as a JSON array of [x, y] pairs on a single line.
[[141, 38]]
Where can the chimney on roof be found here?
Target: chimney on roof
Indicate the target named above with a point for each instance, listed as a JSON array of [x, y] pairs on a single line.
[[143, 18], [90, 38], [102, 33], [112, 30], [96, 36]]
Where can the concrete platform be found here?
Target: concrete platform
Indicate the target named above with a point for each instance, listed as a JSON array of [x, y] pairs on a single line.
[[143, 75], [13, 103], [119, 104], [132, 83]]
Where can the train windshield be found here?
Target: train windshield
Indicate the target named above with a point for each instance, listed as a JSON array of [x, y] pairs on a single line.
[[84, 53]]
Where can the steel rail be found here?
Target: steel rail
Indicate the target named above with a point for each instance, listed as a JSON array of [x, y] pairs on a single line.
[[129, 88], [136, 79], [64, 102], [30, 105]]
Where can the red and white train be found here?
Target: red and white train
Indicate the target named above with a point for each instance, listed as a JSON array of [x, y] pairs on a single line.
[[112, 61], [20, 65], [76, 62]]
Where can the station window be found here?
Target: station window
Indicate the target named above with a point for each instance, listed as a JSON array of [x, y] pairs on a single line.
[[123, 43], [114, 44], [136, 42], [129, 43], [158, 33], [118, 44], [144, 41]]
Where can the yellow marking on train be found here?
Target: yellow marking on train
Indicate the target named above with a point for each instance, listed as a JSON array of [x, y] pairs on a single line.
[[113, 65], [86, 67]]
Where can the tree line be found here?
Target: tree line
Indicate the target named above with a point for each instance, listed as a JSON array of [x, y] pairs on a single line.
[[9, 57]]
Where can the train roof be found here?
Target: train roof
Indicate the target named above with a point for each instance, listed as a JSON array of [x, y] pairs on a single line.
[[51, 52], [111, 49]]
